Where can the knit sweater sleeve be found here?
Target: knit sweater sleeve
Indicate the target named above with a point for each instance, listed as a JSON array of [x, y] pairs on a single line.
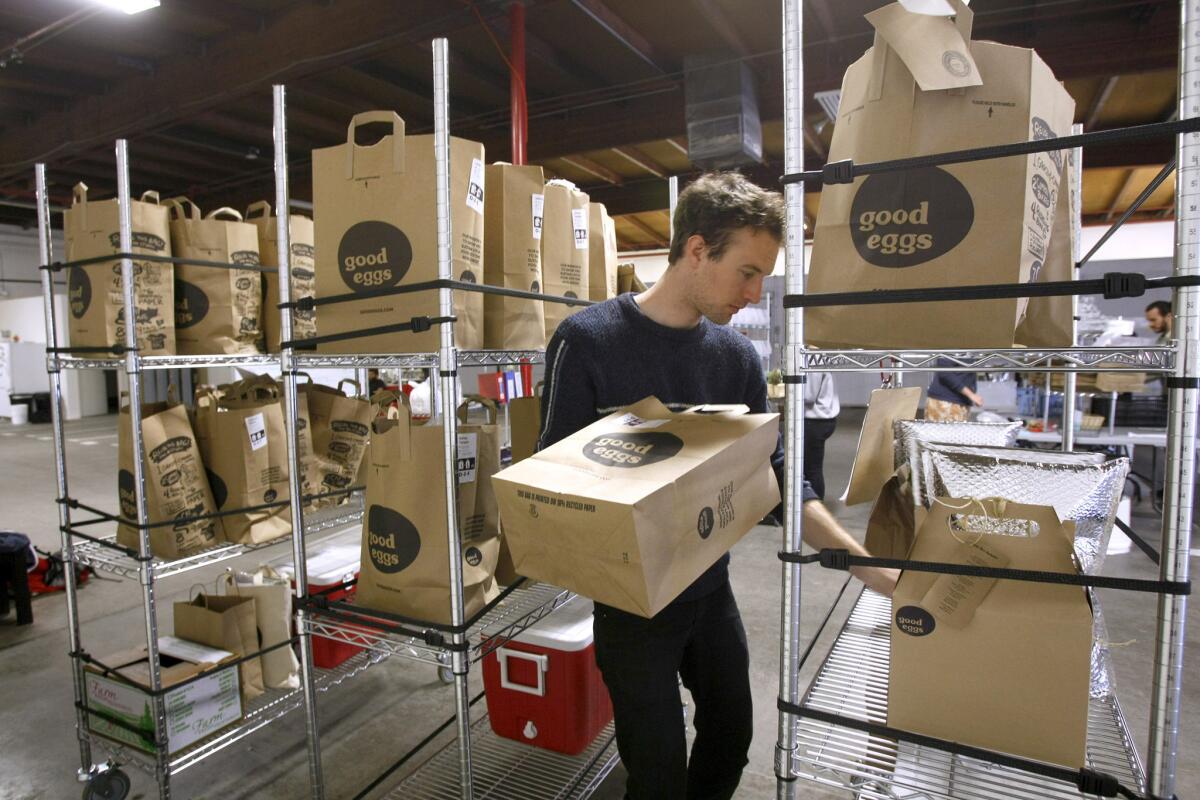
[[569, 393]]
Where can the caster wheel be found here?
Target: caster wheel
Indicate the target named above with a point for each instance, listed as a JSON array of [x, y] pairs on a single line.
[[112, 784], [446, 675]]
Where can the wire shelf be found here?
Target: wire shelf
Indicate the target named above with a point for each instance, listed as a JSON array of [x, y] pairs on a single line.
[[514, 614], [504, 769], [170, 362], [853, 681], [466, 358], [269, 707], [1078, 359], [116, 562]]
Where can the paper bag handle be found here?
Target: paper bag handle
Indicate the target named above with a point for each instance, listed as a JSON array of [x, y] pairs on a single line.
[[253, 390], [366, 118], [488, 404], [79, 202], [172, 393], [225, 212], [151, 196], [182, 208], [964, 21], [261, 208], [352, 382], [306, 376], [384, 398], [537, 389]]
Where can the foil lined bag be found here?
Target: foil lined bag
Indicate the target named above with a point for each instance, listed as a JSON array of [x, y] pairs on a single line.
[[1081, 487], [909, 433]]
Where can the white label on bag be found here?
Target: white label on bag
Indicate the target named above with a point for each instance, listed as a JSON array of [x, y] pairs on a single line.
[[475, 187], [634, 421], [579, 222], [468, 449], [539, 202], [257, 430]]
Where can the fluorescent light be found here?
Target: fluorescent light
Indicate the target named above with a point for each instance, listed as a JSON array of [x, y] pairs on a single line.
[[128, 6]]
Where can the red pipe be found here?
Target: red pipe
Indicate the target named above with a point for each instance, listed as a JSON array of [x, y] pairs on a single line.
[[520, 111]]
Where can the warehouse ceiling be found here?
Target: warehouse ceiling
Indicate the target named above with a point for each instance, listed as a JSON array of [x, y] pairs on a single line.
[[189, 85]]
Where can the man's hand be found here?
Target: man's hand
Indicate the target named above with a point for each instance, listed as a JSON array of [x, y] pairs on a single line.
[[822, 531], [974, 397]]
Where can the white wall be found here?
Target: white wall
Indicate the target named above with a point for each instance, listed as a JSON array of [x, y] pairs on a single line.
[[19, 261]]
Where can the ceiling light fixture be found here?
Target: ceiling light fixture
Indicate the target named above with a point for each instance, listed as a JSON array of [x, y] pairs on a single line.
[[128, 6]]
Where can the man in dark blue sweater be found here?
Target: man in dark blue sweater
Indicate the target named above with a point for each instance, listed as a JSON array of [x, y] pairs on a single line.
[[671, 342]]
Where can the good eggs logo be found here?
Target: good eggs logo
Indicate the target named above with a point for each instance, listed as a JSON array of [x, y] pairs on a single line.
[[908, 218], [191, 304], [79, 292], [915, 621], [373, 255], [392, 540], [632, 449]]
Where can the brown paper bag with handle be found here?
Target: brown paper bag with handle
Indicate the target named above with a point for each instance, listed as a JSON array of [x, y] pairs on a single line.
[[176, 484], [227, 622], [375, 215], [95, 299], [925, 87], [340, 428], [565, 249], [405, 562], [512, 257], [602, 253], [243, 443], [1047, 321], [300, 234], [875, 460], [627, 279], [217, 310], [525, 423], [272, 594]]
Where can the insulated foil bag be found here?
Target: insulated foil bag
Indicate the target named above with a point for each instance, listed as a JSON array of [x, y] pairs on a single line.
[[375, 215], [924, 87]]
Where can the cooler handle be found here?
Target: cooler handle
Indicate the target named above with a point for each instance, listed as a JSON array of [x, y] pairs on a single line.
[[503, 654]]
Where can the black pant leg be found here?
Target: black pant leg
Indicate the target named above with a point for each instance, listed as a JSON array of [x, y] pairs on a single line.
[[716, 670], [816, 431], [640, 659]]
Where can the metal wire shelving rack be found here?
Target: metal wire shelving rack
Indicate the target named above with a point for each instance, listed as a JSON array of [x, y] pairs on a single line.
[[852, 680]]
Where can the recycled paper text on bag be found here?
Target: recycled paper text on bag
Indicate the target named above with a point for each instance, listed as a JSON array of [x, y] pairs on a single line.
[[513, 256], [925, 87], [375, 222], [302, 268], [630, 510], [96, 301], [998, 664], [217, 310], [405, 561], [340, 429], [176, 484], [242, 440]]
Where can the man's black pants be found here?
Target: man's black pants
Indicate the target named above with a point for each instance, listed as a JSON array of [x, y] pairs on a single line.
[[703, 642], [816, 431]]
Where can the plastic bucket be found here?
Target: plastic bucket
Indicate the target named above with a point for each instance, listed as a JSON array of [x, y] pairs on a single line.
[[20, 414]]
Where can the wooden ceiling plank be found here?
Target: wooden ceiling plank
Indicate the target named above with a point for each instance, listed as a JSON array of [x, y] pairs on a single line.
[[679, 143], [1097, 106], [722, 25], [655, 237], [640, 159], [232, 15], [629, 37], [592, 168], [538, 48], [414, 87]]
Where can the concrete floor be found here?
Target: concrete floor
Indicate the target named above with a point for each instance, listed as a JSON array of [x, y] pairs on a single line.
[[368, 723]]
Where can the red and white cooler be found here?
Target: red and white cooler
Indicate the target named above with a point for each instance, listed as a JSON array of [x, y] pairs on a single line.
[[544, 687], [330, 566]]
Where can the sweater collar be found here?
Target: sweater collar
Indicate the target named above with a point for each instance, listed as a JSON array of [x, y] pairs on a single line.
[[633, 314]]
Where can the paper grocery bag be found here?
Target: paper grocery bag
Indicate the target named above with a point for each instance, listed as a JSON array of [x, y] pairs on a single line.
[[176, 484], [565, 249], [272, 595], [405, 561], [602, 253], [217, 310], [512, 257], [893, 521], [375, 220], [632, 509], [229, 623], [998, 664], [1047, 320], [525, 423], [874, 461], [94, 293], [310, 467], [627, 280], [340, 427], [924, 87], [243, 442], [300, 234]]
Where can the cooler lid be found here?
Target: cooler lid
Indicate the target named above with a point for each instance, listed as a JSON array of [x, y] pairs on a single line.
[[568, 629], [329, 565]]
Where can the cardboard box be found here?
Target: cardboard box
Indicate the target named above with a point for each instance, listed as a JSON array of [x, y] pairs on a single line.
[[375, 225], [194, 712], [630, 510], [998, 664], [925, 87]]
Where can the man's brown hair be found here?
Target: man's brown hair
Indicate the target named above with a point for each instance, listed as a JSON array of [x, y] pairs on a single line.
[[717, 204]]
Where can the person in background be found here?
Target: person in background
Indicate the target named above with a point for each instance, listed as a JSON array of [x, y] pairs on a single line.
[[374, 382], [821, 409], [672, 341], [1161, 320], [950, 395]]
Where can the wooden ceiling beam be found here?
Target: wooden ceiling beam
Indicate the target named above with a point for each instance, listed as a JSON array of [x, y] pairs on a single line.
[[629, 37], [233, 15], [1097, 105], [640, 159], [596, 170], [415, 88], [556, 58], [655, 237], [679, 143], [722, 25]]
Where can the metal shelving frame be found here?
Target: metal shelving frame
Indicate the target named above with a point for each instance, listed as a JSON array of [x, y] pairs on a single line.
[[853, 678]]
